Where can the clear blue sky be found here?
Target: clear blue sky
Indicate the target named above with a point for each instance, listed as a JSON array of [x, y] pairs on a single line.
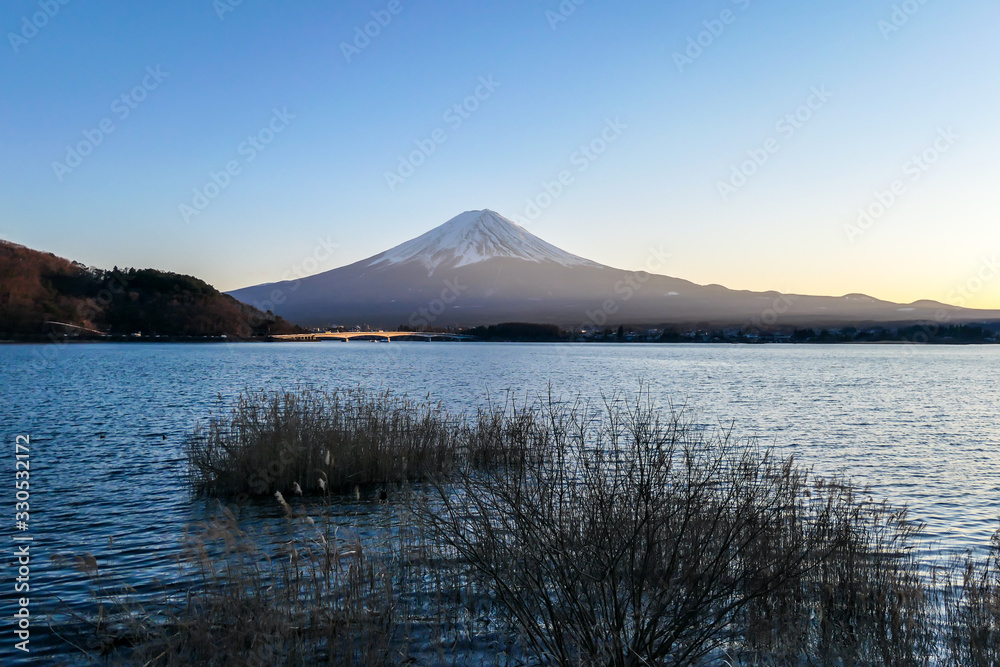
[[676, 122]]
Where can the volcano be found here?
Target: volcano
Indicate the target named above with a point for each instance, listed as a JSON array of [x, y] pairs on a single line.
[[481, 268]]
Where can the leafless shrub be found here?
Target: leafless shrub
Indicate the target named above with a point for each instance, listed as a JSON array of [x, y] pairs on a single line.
[[639, 539]]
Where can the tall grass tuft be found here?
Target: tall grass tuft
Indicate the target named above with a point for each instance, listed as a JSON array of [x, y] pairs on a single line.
[[973, 609], [313, 442], [321, 441]]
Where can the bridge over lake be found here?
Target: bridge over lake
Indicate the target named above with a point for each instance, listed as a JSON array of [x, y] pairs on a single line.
[[379, 336]]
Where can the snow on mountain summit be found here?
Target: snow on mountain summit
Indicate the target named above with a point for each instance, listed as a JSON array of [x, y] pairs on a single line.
[[472, 237]]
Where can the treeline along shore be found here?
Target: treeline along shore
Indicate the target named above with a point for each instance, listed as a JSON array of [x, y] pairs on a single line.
[[45, 297]]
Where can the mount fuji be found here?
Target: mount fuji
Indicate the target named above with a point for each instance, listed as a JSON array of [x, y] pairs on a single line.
[[481, 268]]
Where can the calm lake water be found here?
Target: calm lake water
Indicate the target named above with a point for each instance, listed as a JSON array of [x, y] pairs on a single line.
[[108, 423]]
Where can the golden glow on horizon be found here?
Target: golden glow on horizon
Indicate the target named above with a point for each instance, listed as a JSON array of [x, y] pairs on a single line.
[[973, 292]]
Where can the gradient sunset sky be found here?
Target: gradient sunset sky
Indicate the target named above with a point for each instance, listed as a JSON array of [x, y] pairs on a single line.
[[741, 137]]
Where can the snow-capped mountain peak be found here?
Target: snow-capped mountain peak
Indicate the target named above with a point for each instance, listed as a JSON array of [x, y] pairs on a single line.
[[472, 237]]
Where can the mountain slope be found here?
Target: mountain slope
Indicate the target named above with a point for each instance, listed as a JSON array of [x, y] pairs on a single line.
[[37, 289], [481, 268]]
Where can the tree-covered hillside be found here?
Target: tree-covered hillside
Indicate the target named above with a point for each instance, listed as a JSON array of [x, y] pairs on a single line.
[[38, 289]]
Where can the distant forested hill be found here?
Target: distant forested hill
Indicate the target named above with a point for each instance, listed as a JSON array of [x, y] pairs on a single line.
[[39, 288]]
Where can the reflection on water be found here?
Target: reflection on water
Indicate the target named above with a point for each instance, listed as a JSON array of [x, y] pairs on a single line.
[[108, 423]]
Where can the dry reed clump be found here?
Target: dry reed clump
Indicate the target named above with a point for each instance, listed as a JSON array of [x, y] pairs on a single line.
[[313, 441], [304, 594], [307, 591]]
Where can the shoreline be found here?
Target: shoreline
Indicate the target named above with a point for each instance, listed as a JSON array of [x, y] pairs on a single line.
[[217, 340]]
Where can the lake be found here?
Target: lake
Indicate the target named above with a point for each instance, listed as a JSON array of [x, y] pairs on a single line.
[[108, 422]]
